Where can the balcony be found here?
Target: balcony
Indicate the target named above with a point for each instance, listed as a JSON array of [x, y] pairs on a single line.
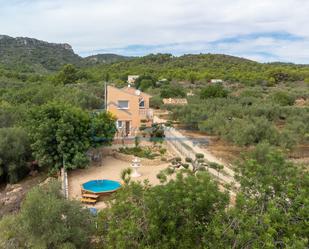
[[146, 113]]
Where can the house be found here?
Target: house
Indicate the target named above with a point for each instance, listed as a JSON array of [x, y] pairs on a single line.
[[216, 81], [175, 101], [302, 102], [131, 108], [132, 78], [190, 94]]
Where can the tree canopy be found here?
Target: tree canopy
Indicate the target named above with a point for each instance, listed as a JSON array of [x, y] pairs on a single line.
[[62, 134], [189, 211], [172, 92], [47, 220], [68, 75], [213, 91], [165, 216], [15, 153]]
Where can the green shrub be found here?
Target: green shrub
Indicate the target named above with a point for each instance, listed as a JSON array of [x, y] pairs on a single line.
[[213, 91], [143, 127], [145, 84], [15, 152], [155, 102], [138, 152], [173, 92], [283, 98], [137, 141], [177, 213], [169, 123], [47, 220], [162, 151], [157, 133]]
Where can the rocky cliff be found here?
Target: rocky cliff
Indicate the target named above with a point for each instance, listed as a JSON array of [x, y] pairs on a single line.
[[28, 54]]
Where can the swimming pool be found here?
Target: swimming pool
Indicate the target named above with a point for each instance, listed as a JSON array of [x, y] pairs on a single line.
[[101, 186]]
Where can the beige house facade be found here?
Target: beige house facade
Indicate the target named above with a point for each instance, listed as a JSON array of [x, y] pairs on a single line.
[[132, 78], [131, 108]]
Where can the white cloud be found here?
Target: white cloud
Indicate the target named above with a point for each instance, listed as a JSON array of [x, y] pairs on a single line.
[[192, 24]]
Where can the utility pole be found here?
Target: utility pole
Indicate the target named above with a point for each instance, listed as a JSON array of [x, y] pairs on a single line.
[[105, 95], [64, 179]]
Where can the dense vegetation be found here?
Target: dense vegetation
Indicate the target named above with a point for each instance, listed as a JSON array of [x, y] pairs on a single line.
[[31, 55], [47, 220], [106, 58], [61, 134], [50, 115], [28, 55], [201, 68], [51, 122], [188, 210], [15, 153], [256, 103], [253, 115]]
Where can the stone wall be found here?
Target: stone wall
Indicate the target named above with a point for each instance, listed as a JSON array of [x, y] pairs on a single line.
[[128, 158]]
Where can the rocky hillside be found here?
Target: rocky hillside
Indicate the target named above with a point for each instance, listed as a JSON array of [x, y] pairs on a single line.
[[106, 58], [28, 54], [31, 55]]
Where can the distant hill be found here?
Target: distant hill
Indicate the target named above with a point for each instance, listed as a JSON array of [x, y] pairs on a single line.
[[28, 54], [31, 55], [106, 58], [201, 68]]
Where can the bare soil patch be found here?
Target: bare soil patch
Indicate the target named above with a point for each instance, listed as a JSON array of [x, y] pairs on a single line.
[[12, 195], [219, 148]]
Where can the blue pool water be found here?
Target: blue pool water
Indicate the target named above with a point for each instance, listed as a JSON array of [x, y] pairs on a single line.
[[98, 186]]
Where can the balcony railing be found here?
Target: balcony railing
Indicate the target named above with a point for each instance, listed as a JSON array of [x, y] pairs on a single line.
[[146, 113]]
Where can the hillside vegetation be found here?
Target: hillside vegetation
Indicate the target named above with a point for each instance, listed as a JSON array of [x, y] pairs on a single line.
[[256, 103], [51, 116], [259, 99], [105, 58], [29, 55], [32, 55], [203, 67], [185, 211]]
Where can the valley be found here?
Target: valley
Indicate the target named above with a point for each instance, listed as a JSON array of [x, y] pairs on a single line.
[[209, 150]]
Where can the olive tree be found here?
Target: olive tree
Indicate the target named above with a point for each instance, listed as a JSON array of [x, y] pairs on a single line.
[[60, 135], [172, 215], [271, 206], [15, 152], [47, 220]]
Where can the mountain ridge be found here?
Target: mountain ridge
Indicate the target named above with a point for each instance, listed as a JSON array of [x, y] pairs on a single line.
[[28, 55], [33, 55]]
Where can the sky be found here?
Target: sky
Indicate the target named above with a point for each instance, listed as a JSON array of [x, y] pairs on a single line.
[[261, 30]]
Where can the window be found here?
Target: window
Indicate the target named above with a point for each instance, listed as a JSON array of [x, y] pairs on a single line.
[[141, 103], [123, 104], [119, 124]]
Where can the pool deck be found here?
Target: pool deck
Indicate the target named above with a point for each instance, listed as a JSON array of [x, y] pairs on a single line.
[[110, 169]]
